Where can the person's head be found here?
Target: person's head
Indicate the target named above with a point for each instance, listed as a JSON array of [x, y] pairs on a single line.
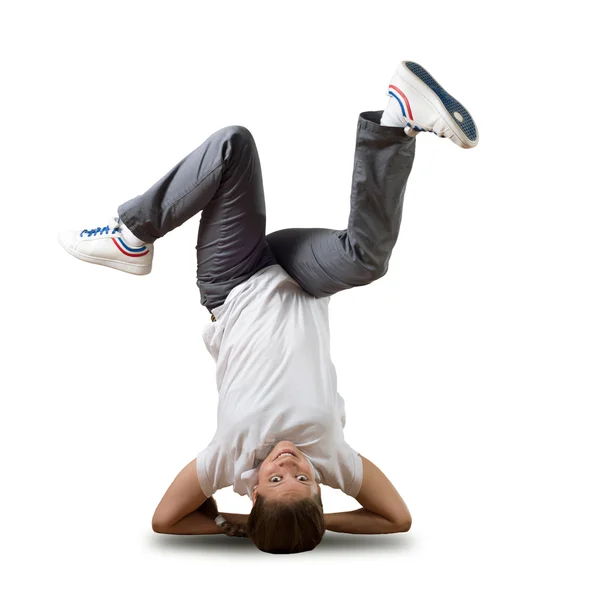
[[287, 512]]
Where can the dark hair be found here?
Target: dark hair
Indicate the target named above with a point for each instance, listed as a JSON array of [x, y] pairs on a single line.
[[286, 527]]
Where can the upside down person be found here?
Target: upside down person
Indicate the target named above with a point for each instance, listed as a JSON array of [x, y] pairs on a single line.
[[280, 417]]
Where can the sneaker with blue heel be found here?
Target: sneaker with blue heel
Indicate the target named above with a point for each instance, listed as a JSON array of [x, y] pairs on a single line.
[[106, 246], [420, 104]]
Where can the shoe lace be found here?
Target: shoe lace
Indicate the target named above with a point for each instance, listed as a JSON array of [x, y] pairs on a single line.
[[112, 228], [416, 129], [437, 129]]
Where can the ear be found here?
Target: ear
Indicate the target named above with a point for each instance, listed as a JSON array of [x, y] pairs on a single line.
[[254, 494]]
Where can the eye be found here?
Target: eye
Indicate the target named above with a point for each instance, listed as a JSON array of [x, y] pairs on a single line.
[[302, 477], [275, 479]]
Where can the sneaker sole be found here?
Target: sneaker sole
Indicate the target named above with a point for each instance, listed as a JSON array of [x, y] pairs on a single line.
[[113, 264], [448, 106]]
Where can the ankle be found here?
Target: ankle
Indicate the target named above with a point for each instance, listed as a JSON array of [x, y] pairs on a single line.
[[128, 236]]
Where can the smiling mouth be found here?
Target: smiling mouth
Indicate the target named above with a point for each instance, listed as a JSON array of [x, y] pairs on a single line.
[[286, 452]]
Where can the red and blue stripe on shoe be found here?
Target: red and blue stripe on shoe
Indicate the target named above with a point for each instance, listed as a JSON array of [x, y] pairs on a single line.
[[118, 242], [397, 93], [125, 249]]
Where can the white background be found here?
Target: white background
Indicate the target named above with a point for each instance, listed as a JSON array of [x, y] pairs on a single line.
[[470, 371]]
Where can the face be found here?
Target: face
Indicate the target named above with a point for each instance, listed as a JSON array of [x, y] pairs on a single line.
[[282, 477]]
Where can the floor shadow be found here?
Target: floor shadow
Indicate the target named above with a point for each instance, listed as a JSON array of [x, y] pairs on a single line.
[[343, 543], [213, 544], [331, 543]]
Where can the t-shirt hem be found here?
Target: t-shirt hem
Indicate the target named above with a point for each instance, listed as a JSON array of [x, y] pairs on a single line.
[[218, 310]]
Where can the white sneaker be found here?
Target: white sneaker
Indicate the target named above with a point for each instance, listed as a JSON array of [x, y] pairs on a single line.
[[105, 246], [420, 103]]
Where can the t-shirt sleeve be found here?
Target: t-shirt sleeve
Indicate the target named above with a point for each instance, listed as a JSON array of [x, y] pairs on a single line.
[[354, 466], [346, 473], [214, 469]]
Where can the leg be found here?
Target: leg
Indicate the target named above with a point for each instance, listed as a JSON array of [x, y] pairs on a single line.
[[325, 261], [223, 179]]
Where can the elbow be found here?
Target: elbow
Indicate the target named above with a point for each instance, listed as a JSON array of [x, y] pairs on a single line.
[[160, 525], [402, 526]]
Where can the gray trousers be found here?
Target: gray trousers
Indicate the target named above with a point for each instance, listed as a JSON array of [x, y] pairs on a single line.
[[222, 178]]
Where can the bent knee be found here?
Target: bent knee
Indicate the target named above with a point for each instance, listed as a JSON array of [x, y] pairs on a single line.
[[367, 260], [377, 270], [238, 132], [368, 271]]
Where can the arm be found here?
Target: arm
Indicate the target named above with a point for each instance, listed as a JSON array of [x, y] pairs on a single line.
[[383, 510], [178, 511], [184, 509]]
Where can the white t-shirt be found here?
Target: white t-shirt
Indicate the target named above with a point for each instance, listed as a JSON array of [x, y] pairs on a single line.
[[276, 382]]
